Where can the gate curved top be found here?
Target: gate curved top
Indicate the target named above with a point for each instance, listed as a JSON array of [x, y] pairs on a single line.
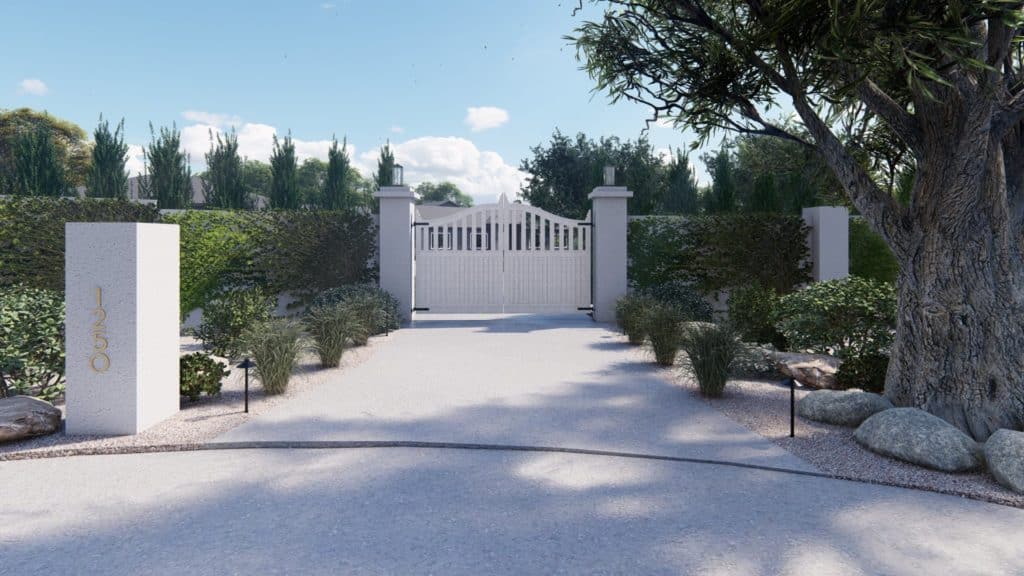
[[503, 205]]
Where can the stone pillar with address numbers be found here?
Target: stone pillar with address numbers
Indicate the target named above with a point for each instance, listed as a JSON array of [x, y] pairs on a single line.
[[121, 326]]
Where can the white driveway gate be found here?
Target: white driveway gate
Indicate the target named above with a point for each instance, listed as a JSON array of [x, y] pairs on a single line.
[[502, 257]]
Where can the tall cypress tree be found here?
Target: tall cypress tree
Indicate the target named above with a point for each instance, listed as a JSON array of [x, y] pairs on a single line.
[[284, 189], [223, 186], [38, 165], [108, 177], [336, 194], [722, 195], [681, 186], [168, 176], [385, 167]]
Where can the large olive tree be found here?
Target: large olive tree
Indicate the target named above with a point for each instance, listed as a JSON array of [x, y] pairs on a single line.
[[942, 79]]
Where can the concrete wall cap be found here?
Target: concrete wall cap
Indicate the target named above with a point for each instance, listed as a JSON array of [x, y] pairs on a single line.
[[395, 192], [610, 192]]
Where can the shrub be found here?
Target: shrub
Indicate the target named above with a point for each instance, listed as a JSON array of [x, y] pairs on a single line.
[[201, 374], [630, 315], [866, 371], [719, 252], [853, 318], [690, 304], [381, 309], [32, 234], [214, 247], [331, 327], [752, 361], [229, 315], [710, 349], [663, 326], [31, 342], [752, 315], [870, 256], [275, 347]]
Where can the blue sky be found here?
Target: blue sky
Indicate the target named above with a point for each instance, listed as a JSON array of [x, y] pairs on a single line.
[[405, 71]]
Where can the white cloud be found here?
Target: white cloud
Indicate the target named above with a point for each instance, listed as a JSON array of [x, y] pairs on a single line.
[[485, 118], [135, 163], [480, 173], [33, 86], [212, 118]]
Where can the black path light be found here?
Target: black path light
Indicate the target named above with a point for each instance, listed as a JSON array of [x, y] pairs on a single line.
[[247, 363], [792, 407]]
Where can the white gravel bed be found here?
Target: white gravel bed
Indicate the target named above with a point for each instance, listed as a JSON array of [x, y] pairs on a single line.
[[763, 407], [204, 419]]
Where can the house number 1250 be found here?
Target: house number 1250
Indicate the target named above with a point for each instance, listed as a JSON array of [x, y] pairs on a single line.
[[99, 361]]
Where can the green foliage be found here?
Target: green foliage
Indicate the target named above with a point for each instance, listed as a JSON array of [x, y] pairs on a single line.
[[69, 139], [853, 319], [31, 342], [168, 177], [711, 349], [223, 185], [663, 324], [870, 256], [681, 195], [443, 192], [38, 168], [284, 188], [721, 198], [678, 294], [567, 170], [332, 326], [379, 310], [310, 251], [338, 186], [631, 316], [752, 311], [256, 180], [866, 371], [385, 167], [108, 177], [32, 234], [309, 181], [275, 348], [213, 246], [229, 315], [201, 374], [715, 253]]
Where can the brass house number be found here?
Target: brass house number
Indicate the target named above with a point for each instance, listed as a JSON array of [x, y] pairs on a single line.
[[99, 362]]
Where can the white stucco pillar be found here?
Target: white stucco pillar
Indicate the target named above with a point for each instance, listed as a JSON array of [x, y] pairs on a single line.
[[609, 248], [121, 326], [395, 244], [829, 241]]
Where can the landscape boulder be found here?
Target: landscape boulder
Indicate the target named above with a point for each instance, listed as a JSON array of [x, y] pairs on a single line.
[[915, 436], [1004, 452], [842, 407], [813, 370], [25, 416]]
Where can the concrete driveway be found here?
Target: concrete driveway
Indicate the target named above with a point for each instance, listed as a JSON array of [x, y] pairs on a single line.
[[562, 382]]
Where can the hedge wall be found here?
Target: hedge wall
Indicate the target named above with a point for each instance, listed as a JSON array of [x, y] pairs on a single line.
[[298, 251], [870, 257], [718, 252], [32, 234]]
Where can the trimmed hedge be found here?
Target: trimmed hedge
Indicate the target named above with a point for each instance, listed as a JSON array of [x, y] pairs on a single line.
[[32, 234], [302, 252], [870, 256], [718, 252]]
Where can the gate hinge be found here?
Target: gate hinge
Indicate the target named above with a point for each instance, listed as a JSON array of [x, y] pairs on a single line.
[[587, 308], [417, 309], [415, 224]]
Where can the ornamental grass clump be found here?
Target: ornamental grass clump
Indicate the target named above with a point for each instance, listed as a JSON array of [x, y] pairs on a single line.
[[275, 347], [710, 349], [332, 326], [663, 326], [630, 315]]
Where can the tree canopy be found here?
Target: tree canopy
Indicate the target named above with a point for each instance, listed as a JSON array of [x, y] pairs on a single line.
[[168, 177], [441, 192], [107, 175], [223, 185], [882, 90], [69, 139], [284, 189]]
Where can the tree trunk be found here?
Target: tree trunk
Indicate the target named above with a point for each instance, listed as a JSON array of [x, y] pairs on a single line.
[[959, 348]]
